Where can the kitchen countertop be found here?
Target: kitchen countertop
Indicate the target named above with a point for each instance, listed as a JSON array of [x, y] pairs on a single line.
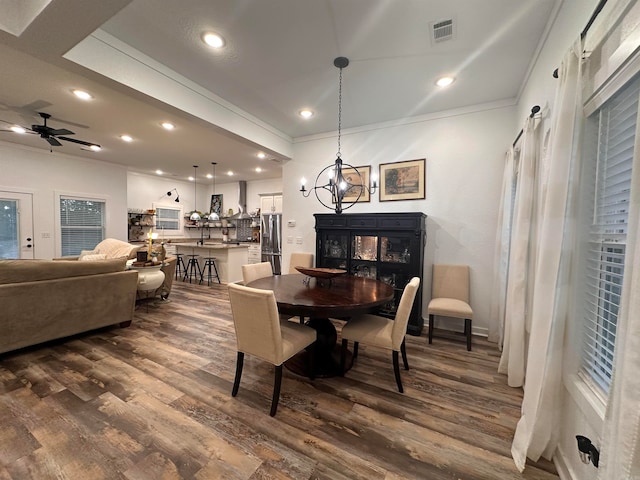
[[210, 245]]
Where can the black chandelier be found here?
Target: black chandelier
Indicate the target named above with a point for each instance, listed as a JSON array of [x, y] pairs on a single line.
[[337, 184]]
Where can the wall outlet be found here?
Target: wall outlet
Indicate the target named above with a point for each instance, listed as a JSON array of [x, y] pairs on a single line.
[[289, 239], [299, 240], [291, 223]]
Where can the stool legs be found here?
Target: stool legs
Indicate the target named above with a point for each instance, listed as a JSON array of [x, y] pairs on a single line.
[[210, 262], [193, 269], [181, 268]]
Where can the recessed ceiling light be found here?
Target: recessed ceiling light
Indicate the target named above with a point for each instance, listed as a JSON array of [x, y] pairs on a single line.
[[209, 176], [18, 129], [444, 81], [213, 40], [168, 125], [230, 173], [261, 155], [126, 138], [258, 169], [305, 113], [95, 148], [82, 94], [191, 179], [159, 172]]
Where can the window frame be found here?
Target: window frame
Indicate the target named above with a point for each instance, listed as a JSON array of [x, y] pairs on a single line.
[[167, 232], [79, 197]]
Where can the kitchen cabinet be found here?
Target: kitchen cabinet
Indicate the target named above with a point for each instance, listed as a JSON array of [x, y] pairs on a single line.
[[271, 203], [254, 253], [386, 246]]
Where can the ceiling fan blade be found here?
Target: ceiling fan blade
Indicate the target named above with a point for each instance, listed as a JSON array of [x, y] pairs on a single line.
[[52, 141], [60, 131], [88, 144]]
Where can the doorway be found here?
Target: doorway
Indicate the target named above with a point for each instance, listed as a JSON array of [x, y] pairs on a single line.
[[16, 225]]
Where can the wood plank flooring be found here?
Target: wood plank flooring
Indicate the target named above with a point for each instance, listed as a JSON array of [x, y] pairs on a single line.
[[153, 401]]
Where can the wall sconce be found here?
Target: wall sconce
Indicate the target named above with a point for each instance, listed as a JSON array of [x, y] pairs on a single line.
[[177, 200]]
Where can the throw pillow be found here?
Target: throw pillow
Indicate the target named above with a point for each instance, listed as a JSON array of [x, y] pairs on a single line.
[[93, 257], [86, 252]]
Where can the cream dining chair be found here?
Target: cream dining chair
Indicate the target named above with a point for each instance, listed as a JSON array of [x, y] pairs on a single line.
[[300, 259], [260, 333], [254, 271], [450, 297], [382, 332]]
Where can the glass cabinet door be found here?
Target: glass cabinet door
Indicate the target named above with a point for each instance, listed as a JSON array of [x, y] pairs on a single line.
[[395, 249], [364, 255], [334, 250]]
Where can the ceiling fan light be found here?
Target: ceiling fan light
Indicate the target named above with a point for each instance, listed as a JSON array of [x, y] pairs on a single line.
[[18, 129]]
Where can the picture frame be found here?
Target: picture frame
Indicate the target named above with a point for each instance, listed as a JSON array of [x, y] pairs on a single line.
[[351, 195], [402, 180], [216, 204]]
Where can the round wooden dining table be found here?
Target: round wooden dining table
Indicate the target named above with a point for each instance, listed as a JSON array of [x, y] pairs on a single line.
[[319, 300]]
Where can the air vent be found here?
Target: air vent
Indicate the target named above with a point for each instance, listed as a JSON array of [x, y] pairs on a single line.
[[442, 31]]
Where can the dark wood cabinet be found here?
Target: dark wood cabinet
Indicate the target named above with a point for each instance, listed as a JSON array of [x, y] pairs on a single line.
[[386, 246]]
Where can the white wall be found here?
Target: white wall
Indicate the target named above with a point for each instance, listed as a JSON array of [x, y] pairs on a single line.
[[43, 174], [464, 151]]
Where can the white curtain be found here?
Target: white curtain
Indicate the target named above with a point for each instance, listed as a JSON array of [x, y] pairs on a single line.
[[537, 430], [501, 254], [512, 361], [620, 456]]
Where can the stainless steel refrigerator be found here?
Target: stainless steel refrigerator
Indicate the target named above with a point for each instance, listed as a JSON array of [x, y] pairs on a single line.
[[271, 231]]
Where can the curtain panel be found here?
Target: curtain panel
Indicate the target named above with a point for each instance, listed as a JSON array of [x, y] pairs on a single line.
[[537, 430]]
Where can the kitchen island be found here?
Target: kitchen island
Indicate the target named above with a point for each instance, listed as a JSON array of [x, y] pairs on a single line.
[[229, 257]]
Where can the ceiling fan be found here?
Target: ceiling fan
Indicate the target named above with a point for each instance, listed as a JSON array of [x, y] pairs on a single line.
[[52, 135]]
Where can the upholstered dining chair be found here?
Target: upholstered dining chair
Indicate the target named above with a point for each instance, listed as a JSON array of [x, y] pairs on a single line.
[[254, 271], [382, 332], [260, 333], [300, 259], [450, 297]]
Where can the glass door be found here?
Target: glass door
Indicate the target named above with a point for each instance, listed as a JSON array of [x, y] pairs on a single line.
[[16, 225]]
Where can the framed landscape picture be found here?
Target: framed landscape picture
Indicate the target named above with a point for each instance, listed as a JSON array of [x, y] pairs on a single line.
[[402, 180], [216, 204], [357, 183]]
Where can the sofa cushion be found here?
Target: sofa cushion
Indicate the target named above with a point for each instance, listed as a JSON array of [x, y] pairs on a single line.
[[114, 248], [18, 271]]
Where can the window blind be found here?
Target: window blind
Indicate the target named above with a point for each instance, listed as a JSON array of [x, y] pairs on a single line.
[[617, 123], [168, 219], [81, 224]]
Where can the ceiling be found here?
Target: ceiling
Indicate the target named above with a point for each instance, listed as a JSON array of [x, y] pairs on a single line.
[[278, 59]]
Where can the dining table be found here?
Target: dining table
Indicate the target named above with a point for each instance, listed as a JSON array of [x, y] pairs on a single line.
[[318, 301]]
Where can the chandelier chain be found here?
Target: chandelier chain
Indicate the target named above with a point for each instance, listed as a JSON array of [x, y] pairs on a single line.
[[339, 113]]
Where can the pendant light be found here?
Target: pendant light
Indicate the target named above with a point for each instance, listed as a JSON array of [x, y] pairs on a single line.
[[337, 185], [195, 216], [213, 215]]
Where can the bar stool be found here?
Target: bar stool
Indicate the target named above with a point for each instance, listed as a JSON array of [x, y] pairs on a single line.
[[181, 268], [193, 269], [208, 263]]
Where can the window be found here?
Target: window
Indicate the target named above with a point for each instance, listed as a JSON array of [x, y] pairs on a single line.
[[81, 224], [168, 219], [611, 132]]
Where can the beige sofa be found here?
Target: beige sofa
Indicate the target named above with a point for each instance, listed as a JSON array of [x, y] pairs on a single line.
[[44, 300]]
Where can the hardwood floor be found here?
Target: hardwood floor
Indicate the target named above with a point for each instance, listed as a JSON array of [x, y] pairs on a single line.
[[153, 401]]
